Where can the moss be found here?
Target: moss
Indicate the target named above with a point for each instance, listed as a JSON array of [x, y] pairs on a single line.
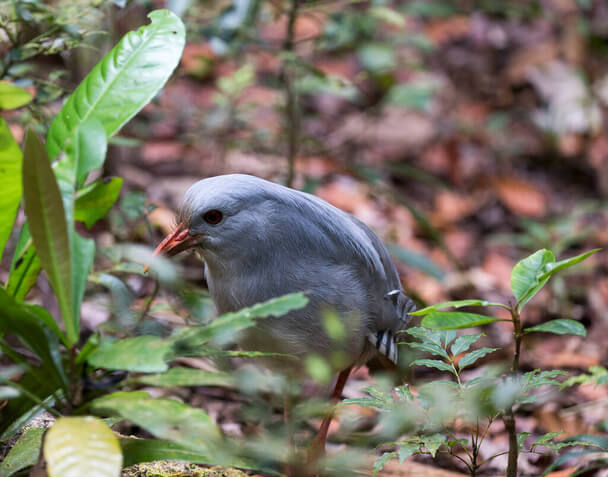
[[179, 469]]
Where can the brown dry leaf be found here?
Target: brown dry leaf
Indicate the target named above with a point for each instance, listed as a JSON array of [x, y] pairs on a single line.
[[521, 198], [451, 207], [414, 469], [562, 473], [444, 31], [316, 166], [162, 151], [459, 242], [306, 27], [529, 58], [344, 193], [552, 419], [427, 288], [198, 59], [163, 218]]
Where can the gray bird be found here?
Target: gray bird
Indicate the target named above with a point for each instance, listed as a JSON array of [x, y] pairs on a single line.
[[261, 240]]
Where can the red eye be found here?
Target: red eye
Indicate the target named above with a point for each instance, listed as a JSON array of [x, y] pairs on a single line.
[[213, 217]]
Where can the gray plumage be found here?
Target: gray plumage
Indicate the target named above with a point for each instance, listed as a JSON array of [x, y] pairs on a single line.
[[273, 240]]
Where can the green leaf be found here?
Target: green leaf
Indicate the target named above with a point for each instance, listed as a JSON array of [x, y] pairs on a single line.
[[77, 446], [433, 442], [560, 327], [143, 354], [463, 343], [188, 377], [48, 227], [434, 363], [430, 348], [525, 281], [555, 267], [381, 461], [13, 97], [407, 450], [136, 451], [597, 375], [83, 254], [88, 146], [455, 304], [469, 358], [416, 260], [225, 327], [10, 182], [24, 453], [124, 81], [453, 320], [23, 322], [25, 266], [521, 438], [172, 420], [95, 200]]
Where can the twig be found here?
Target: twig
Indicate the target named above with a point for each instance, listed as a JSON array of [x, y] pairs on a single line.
[[288, 76]]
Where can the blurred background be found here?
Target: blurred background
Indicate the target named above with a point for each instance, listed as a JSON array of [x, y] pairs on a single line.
[[466, 133]]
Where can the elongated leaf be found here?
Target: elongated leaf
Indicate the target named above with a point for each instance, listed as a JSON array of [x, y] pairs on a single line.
[[13, 97], [143, 354], [83, 254], [416, 260], [124, 81], [469, 358], [89, 145], [434, 363], [525, 282], [10, 182], [77, 446], [552, 268], [463, 343], [455, 304], [22, 321], [452, 320], [46, 215], [188, 377], [25, 266], [430, 348], [24, 453], [173, 420], [94, 201], [560, 327], [225, 327], [136, 451]]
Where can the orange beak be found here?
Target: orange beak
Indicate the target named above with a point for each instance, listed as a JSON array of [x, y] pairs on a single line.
[[176, 242]]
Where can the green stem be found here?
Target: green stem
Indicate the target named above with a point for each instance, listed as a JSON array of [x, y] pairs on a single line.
[[509, 418]]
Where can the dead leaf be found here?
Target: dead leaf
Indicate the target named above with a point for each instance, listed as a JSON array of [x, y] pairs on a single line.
[[521, 198], [451, 207], [164, 218], [499, 267], [154, 152], [413, 469], [450, 29]]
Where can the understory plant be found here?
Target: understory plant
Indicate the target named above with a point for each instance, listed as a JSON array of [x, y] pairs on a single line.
[[454, 416]]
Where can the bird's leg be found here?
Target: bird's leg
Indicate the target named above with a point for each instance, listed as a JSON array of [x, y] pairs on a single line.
[[316, 449]]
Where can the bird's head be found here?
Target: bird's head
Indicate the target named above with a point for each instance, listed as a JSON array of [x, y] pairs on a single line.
[[220, 214]]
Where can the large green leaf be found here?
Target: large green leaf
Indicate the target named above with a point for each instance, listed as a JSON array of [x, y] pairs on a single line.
[[136, 451], [124, 81], [225, 327], [94, 200], [13, 97], [48, 226], [24, 267], [188, 377], [23, 322], [163, 418], [455, 304], [10, 182], [469, 358], [77, 446], [143, 354], [24, 453], [560, 327], [525, 277], [453, 320], [150, 354]]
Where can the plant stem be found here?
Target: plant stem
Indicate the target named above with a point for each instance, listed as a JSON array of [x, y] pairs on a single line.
[[288, 76], [509, 418]]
